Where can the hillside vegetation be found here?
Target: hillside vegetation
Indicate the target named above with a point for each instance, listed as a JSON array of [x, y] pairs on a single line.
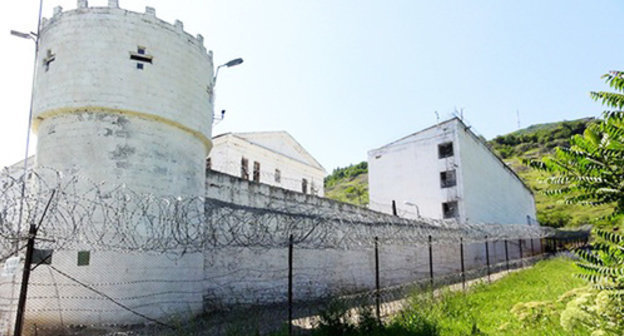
[[350, 184]]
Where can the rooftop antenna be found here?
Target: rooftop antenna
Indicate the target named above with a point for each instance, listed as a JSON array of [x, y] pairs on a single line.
[[437, 117], [459, 113], [518, 117]]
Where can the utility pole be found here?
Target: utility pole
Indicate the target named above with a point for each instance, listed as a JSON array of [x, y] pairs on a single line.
[[35, 38], [30, 250]]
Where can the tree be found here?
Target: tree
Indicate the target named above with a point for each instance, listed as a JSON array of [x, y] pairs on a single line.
[[591, 171]]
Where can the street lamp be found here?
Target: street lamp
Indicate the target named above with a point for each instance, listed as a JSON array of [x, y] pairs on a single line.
[[408, 203], [30, 35], [229, 64]]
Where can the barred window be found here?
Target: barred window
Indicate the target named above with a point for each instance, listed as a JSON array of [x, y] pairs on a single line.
[[448, 179], [445, 150], [244, 169], [450, 210], [256, 172]]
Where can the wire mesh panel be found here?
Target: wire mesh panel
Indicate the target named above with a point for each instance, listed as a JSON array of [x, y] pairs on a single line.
[[248, 253]]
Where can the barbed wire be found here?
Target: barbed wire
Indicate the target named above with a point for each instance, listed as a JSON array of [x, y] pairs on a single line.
[[117, 218], [241, 230]]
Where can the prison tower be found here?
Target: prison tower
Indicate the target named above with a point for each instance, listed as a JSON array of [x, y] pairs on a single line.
[[123, 98], [120, 98]]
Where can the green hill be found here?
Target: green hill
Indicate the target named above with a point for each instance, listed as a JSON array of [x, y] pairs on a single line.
[[350, 184]]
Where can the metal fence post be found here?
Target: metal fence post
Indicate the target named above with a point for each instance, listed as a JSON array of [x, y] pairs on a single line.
[[532, 250], [394, 208], [461, 255], [520, 244], [30, 250], [431, 262], [506, 255], [290, 286], [377, 286], [487, 258]]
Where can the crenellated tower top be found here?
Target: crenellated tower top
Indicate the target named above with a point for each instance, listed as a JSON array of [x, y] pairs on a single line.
[[113, 7]]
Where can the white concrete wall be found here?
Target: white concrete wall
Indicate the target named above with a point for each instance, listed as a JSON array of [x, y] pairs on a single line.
[[259, 275], [492, 192], [409, 171], [228, 151]]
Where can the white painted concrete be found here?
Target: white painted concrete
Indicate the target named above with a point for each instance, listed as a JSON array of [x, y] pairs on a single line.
[[408, 171], [273, 151]]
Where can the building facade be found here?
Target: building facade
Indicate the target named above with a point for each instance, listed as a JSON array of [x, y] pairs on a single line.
[[446, 171], [273, 158]]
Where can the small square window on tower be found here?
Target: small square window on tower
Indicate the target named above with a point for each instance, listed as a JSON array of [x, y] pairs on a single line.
[[448, 179], [256, 172], [445, 150], [450, 210], [304, 186], [84, 258]]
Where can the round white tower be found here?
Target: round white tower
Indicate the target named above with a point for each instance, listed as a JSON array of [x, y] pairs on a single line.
[[123, 97]]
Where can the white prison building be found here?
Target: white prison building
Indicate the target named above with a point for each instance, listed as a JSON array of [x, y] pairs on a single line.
[[273, 158], [446, 171]]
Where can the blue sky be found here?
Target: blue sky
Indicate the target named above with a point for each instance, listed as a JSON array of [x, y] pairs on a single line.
[[346, 76]]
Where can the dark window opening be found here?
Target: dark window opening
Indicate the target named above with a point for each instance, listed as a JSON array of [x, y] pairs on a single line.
[[136, 57], [84, 258], [256, 171], [278, 176], [450, 210], [244, 169], [141, 57], [208, 164], [445, 150], [304, 186], [42, 257], [448, 179]]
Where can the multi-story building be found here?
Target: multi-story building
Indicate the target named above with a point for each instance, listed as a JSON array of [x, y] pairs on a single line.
[[446, 171], [273, 158]]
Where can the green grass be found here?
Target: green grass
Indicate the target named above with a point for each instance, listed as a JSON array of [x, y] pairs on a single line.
[[487, 308], [484, 310]]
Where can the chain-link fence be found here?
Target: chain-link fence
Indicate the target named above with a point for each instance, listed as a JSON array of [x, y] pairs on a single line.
[[241, 261]]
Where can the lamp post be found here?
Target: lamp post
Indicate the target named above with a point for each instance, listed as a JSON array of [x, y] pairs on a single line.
[[229, 64], [35, 38], [408, 203]]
